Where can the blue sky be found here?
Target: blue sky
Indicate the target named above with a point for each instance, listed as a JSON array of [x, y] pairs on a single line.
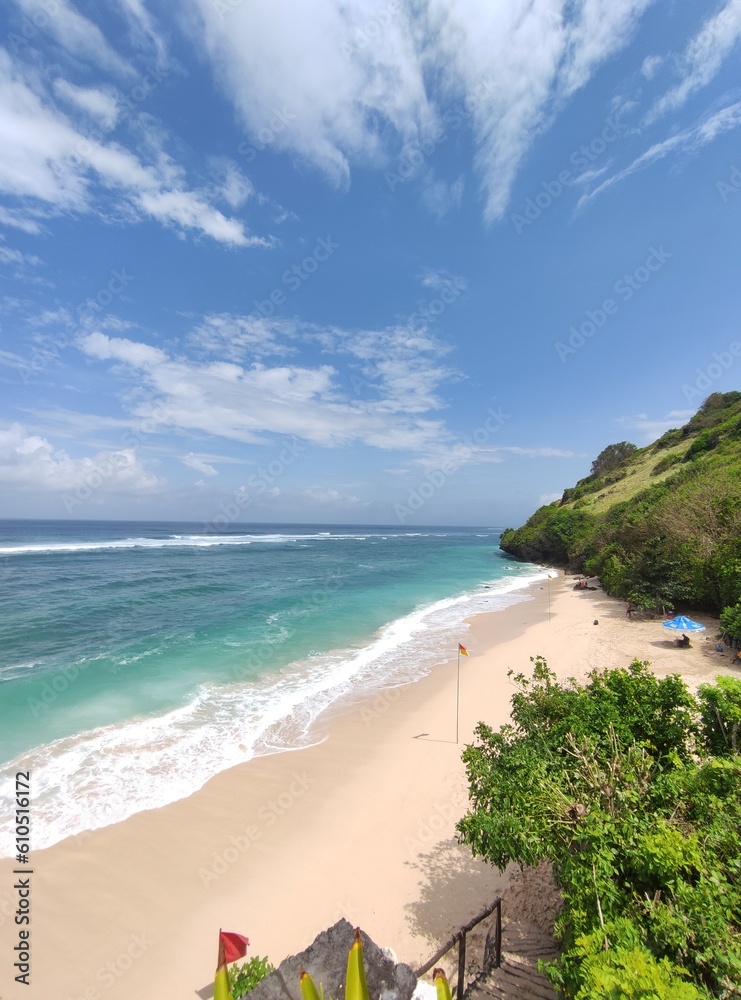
[[376, 261]]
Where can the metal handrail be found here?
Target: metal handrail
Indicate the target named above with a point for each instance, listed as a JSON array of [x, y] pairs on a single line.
[[460, 938]]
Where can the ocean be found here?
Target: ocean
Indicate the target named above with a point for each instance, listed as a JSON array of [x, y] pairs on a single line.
[[139, 659]]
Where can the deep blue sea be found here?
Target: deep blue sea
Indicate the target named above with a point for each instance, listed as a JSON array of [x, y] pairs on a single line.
[[139, 659]]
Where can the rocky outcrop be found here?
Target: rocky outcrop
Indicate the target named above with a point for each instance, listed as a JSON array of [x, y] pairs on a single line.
[[326, 960]]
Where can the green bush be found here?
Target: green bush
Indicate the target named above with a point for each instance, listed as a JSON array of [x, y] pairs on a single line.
[[730, 621], [666, 463], [610, 783], [244, 978], [721, 715]]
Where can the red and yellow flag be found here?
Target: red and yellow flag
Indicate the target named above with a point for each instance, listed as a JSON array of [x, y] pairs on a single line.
[[231, 947], [462, 651]]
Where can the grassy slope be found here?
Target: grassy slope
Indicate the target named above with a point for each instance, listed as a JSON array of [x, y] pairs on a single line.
[[666, 524]]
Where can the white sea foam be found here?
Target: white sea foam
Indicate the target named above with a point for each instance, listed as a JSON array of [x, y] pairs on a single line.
[[182, 541], [104, 775]]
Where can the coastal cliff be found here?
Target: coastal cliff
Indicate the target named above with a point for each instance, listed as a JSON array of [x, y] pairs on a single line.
[[658, 525]]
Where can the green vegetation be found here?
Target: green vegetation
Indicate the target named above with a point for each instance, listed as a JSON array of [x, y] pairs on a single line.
[[244, 978], [631, 787], [730, 621], [659, 525]]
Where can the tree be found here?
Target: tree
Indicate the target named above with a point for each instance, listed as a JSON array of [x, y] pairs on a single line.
[[613, 456], [609, 782], [730, 621]]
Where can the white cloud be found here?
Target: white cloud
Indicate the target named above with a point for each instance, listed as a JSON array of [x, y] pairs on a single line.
[[652, 428], [19, 220], [189, 210], [79, 36], [231, 184], [98, 103], [687, 141], [11, 256], [250, 404], [511, 61], [331, 497], [651, 66], [99, 345], [439, 197], [194, 462], [540, 452], [29, 461], [401, 363], [240, 337], [438, 279], [298, 83], [47, 158], [602, 28], [144, 28], [703, 57], [338, 84]]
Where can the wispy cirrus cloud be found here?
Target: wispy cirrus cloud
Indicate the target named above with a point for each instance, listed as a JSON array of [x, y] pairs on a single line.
[[342, 104], [687, 141], [77, 34], [702, 58], [651, 428]]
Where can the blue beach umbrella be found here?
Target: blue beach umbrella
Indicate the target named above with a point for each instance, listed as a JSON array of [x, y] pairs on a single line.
[[682, 624]]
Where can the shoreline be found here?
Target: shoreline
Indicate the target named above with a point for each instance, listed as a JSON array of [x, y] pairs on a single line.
[[147, 761], [359, 825]]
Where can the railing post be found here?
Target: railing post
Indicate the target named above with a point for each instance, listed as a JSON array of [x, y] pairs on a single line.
[[499, 933], [461, 966]]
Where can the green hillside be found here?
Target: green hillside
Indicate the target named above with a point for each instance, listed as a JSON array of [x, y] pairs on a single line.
[[658, 525]]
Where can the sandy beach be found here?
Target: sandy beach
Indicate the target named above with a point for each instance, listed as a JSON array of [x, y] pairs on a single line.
[[360, 825]]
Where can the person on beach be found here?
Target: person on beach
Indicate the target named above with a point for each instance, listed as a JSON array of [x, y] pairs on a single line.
[[628, 610]]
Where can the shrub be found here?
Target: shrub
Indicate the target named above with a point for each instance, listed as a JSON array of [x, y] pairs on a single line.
[[730, 621], [244, 978], [608, 782]]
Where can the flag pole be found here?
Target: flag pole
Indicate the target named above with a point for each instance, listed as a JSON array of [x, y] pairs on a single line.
[[457, 692]]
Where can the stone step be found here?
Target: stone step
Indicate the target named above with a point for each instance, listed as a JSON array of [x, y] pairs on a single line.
[[513, 980]]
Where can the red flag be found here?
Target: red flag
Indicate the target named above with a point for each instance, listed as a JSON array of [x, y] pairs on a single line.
[[462, 650], [235, 945]]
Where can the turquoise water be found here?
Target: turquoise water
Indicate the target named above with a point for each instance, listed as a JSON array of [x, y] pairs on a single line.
[[139, 659]]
